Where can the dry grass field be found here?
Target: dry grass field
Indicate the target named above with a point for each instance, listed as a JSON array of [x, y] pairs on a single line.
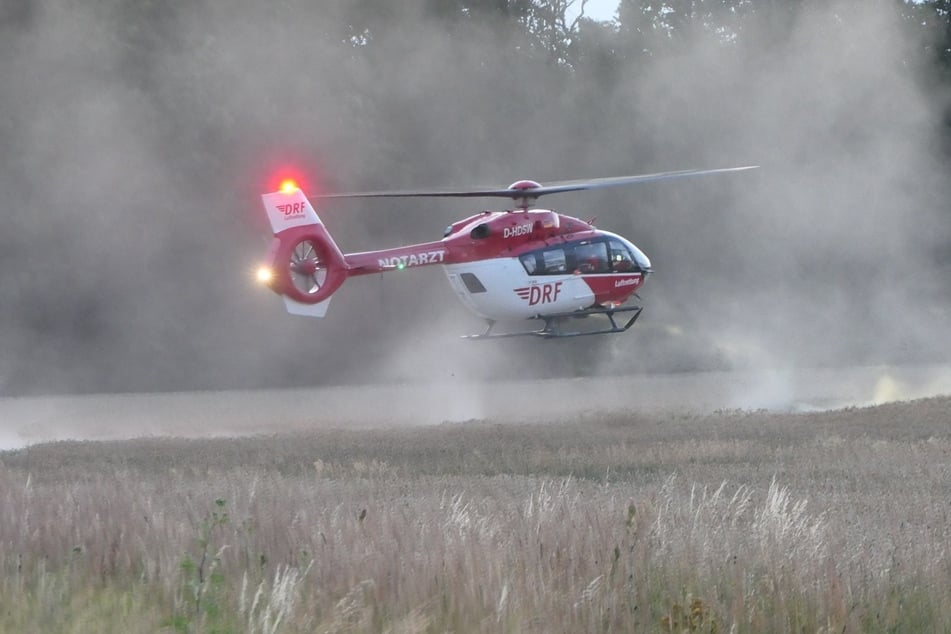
[[735, 521]]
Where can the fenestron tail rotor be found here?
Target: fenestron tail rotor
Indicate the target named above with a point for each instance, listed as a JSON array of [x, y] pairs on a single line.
[[308, 272]]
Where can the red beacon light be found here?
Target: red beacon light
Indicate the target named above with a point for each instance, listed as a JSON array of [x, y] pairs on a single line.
[[288, 186]]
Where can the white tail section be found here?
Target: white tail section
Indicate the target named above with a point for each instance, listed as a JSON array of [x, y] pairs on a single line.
[[289, 208], [307, 310]]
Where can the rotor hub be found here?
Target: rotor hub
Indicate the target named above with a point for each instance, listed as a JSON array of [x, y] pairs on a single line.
[[306, 267], [524, 185]]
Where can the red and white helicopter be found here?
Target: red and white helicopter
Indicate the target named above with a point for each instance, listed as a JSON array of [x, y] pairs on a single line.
[[504, 265]]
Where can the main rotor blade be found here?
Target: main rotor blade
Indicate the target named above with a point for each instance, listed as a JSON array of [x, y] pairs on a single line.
[[614, 181], [429, 193], [557, 187]]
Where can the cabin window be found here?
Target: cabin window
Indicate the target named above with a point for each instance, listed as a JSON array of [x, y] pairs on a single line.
[[546, 262], [591, 257], [554, 261], [530, 262], [472, 283]]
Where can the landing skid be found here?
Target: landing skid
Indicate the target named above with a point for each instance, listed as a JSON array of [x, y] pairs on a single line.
[[552, 328]]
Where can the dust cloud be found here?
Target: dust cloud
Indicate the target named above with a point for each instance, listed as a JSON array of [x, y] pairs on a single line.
[[138, 136]]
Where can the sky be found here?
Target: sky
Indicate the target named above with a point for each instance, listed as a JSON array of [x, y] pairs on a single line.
[[600, 10]]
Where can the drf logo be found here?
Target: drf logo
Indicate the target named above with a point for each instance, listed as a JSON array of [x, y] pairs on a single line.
[[292, 210], [540, 293]]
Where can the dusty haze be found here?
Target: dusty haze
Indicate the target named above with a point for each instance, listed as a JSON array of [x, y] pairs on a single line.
[[137, 138]]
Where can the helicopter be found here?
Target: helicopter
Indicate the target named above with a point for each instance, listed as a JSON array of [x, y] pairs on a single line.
[[505, 266]]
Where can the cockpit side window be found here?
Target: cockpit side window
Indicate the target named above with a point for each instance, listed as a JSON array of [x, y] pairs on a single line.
[[622, 261]]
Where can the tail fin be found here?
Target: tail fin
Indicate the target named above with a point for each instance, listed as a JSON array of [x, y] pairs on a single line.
[[304, 264], [289, 208]]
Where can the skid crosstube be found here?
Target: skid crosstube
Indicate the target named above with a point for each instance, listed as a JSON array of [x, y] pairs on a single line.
[[552, 330]]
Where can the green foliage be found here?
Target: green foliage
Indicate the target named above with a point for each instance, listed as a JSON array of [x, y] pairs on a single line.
[[203, 582]]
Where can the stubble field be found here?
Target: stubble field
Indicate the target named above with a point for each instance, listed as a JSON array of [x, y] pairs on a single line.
[[745, 521]]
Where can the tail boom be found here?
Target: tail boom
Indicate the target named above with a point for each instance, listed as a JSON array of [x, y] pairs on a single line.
[[398, 258]]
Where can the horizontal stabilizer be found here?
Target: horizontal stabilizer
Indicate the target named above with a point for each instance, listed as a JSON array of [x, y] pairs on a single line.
[[307, 310]]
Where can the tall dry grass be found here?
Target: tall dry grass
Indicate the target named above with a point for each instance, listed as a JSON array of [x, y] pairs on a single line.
[[739, 521]]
